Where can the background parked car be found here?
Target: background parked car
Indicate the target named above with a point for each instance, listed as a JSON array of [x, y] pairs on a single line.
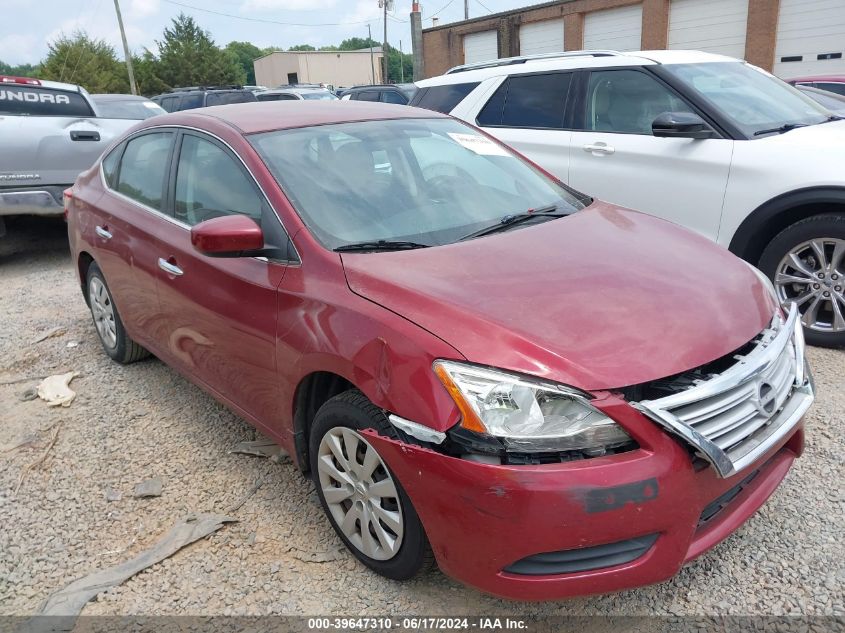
[[135, 107], [49, 133], [386, 93], [830, 100], [203, 96], [298, 92], [255, 88], [755, 161], [831, 83]]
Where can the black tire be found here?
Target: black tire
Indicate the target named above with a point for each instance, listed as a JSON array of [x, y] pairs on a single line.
[[812, 228], [352, 410], [123, 349]]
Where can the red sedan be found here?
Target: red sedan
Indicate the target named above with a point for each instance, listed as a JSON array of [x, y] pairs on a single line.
[[550, 394]]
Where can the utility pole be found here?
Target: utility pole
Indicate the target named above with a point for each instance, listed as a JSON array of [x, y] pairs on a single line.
[[132, 87], [401, 63], [372, 63], [384, 78], [466, 9]]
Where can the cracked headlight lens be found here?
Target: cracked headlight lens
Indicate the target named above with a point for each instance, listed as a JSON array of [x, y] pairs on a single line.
[[528, 415]]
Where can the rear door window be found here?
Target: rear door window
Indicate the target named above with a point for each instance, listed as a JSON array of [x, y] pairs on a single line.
[[443, 98], [838, 88], [191, 101], [528, 101], [389, 96], [169, 103], [367, 95], [143, 166], [35, 101], [223, 98]]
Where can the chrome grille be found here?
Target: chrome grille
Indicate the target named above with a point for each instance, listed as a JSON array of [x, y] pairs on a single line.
[[733, 418]]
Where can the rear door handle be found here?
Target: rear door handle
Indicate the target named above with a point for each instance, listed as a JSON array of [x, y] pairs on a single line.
[[599, 148], [82, 135], [167, 267], [102, 232]]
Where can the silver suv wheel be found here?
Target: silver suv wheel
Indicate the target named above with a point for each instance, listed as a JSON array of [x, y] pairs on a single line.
[[812, 275]]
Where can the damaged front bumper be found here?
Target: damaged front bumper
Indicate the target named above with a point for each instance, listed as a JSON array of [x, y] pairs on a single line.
[[542, 532]]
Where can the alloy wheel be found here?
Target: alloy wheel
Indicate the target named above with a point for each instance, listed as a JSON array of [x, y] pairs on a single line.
[[102, 309], [360, 493], [812, 275]]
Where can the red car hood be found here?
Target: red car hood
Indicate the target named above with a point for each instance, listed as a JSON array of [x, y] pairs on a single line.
[[602, 299]]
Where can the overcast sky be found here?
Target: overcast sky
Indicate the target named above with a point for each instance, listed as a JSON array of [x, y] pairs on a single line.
[[28, 25]]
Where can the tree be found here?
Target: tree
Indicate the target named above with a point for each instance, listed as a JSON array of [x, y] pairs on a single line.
[[189, 57], [357, 43], [302, 47], [88, 62], [395, 62], [246, 53], [146, 74], [21, 70]]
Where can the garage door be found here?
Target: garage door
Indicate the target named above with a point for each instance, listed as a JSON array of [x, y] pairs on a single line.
[[810, 38], [716, 26], [541, 37], [481, 47], [614, 29]]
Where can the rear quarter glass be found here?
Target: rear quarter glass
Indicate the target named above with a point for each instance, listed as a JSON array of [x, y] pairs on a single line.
[[37, 101]]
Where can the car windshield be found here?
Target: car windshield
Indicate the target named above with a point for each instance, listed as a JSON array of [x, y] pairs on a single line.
[[753, 100], [427, 181], [319, 94], [134, 109]]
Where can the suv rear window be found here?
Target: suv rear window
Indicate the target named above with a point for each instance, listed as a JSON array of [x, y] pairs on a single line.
[[32, 101], [223, 98], [528, 101], [442, 98]]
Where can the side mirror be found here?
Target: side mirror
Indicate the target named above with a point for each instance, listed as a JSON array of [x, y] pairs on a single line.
[[681, 125], [228, 236]]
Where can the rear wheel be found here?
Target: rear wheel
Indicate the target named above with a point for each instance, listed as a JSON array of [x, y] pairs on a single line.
[[113, 336], [806, 262], [364, 502]]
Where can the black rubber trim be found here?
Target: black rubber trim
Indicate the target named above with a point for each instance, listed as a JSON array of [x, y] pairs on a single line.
[[584, 558], [722, 501]]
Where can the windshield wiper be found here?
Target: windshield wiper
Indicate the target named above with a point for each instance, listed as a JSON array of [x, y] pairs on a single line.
[[786, 127], [513, 219], [380, 245]]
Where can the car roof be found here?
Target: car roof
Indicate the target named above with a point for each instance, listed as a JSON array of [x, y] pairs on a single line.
[[266, 116], [832, 78], [275, 91], [117, 97], [571, 60]]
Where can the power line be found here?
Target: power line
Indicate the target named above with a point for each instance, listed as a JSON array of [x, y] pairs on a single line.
[[440, 10], [241, 17], [483, 6]]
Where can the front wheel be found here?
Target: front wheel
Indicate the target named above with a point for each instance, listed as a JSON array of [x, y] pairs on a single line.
[[806, 262], [364, 502], [113, 336]]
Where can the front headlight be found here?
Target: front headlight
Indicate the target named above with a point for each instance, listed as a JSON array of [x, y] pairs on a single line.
[[528, 415], [767, 283]]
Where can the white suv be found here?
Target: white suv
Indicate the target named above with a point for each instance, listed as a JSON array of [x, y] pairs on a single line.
[[707, 141]]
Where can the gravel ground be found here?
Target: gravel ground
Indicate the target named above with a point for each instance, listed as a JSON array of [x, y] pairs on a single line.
[[131, 423]]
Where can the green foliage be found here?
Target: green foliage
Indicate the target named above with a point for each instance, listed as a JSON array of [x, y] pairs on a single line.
[[302, 47], [189, 57], [246, 53], [21, 70], [357, 43], [88, 62], [146, 74], [395, 63]]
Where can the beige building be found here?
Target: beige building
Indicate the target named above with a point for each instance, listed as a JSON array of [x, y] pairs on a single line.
[[337, 68], [787, 37]]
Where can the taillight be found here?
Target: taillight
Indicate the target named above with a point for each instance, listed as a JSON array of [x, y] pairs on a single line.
[[67, 196], [29, 81]]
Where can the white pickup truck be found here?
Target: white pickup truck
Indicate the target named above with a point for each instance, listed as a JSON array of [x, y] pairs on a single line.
[[49, 133]]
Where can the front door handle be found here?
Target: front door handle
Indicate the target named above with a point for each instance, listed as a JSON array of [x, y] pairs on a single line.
[[84, 135], [599, 148], [167, 267], [103, 232]]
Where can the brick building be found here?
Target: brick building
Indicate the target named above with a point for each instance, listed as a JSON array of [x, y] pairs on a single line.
[[787, 37]]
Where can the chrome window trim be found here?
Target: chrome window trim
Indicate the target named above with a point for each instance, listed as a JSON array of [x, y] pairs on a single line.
[[173, 220], [756, 362]]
